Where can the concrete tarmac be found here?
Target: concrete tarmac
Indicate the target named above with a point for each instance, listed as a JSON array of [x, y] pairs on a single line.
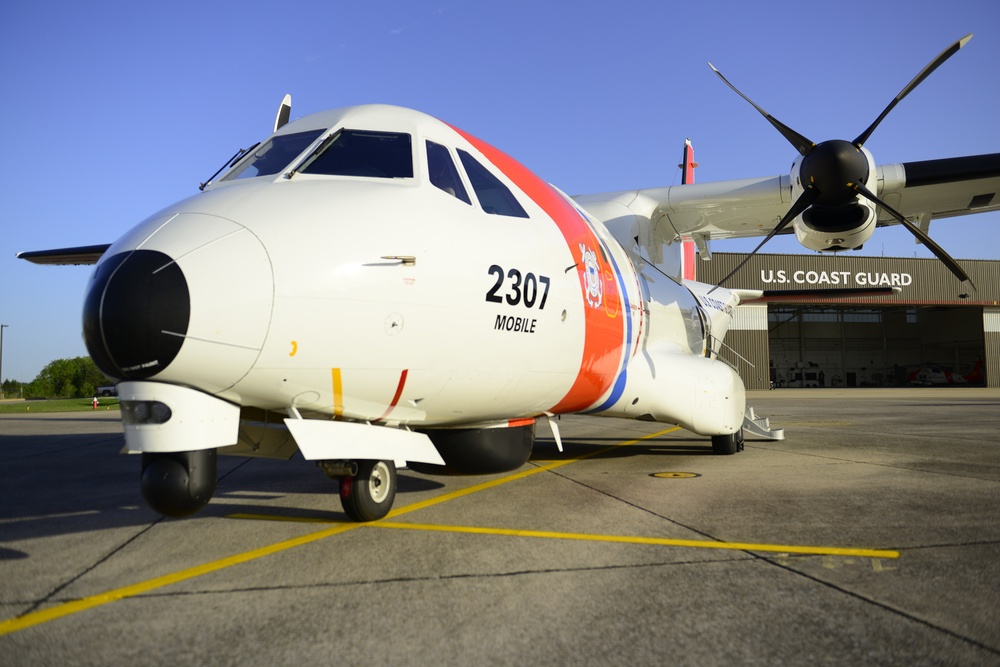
[[582, 557]]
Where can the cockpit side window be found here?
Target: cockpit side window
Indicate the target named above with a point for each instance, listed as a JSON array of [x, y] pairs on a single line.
[[444, 174], [274, 155], [495, 197], [364, 153]]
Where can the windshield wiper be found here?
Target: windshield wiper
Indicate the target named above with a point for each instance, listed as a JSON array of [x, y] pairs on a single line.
[[323, 145], [240, 154]]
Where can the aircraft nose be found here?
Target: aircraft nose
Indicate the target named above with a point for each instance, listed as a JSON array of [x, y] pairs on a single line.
[[184, 298], [136, 314]]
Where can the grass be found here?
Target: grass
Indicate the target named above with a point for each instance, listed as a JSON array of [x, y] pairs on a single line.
[[58, 405]]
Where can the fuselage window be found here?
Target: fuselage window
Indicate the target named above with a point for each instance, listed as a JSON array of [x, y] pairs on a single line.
[[493, 195], [274, 155], [444, 174], [364, 153]]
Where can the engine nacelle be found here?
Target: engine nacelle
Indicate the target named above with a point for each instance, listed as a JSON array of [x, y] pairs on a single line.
[[835, 223]]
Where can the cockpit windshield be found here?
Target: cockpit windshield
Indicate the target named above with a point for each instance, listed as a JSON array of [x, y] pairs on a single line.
[[274, 155], [363, 153]]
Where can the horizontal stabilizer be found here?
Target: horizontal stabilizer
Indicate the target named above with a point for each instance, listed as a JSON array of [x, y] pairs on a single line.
[[88, 254]]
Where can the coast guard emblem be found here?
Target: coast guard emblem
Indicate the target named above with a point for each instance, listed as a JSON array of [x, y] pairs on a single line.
[[592, 276]]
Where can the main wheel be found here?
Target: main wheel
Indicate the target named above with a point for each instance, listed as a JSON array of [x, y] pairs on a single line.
[[728, 444], [368, 496]]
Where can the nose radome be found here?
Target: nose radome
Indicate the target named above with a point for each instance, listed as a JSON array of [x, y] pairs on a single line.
[[136, 314], [192, 304]]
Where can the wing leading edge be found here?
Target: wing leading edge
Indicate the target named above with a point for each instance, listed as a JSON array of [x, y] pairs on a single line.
[[920, 191], [88, 254]]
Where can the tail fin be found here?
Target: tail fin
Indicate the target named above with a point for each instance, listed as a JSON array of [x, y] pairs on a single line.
[[687, 167]]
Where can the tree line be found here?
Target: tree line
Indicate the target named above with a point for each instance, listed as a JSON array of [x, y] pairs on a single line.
[[62, 378]]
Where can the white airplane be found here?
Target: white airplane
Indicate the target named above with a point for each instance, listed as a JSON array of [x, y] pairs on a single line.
[[373, 287]]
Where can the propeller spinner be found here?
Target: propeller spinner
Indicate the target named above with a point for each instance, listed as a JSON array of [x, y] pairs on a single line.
[[835, 173]]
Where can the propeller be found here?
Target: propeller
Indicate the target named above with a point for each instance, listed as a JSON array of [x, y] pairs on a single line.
[[835, 172]]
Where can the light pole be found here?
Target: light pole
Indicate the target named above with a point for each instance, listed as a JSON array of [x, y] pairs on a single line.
[[2, 327]]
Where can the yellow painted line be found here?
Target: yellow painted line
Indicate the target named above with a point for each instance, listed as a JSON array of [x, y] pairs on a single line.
[[68, 608], [516, 476], [628, 539]]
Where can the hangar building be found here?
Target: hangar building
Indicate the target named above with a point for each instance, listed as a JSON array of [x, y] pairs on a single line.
[[928, 333]]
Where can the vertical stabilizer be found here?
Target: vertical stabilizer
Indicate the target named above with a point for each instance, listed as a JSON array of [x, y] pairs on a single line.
[[687, 167]]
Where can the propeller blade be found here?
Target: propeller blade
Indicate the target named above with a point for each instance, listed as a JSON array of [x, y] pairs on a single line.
[[804, 201], [924, 73], [938, 251], [800, 143]]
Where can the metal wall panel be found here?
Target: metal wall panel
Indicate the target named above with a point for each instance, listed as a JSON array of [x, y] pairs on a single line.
[[747, 352], [991, 339], [991, 320], [750, 317], [992, 359]]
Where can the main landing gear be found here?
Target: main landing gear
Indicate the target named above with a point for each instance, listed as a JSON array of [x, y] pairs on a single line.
[[368, 493], [728, 444]]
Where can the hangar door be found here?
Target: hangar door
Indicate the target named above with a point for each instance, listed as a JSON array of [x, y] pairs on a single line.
[[844, 346]]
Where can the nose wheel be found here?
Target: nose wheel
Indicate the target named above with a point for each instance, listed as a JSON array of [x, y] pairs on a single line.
[[368, 496]]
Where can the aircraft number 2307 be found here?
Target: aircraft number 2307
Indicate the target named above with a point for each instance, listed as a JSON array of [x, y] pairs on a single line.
[[522, 288]]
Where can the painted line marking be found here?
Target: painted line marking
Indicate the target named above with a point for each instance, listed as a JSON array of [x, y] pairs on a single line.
[[630, 539], [76, 606], [68, 608]]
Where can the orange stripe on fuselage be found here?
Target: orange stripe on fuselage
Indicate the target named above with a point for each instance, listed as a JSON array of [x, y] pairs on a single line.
[[604, 333]]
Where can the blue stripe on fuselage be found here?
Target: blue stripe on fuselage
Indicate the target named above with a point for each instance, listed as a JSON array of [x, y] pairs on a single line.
[[619, 387]]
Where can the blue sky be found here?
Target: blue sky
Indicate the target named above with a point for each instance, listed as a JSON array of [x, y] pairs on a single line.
[[115, 110]]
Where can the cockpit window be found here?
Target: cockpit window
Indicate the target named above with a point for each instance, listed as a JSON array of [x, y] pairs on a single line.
[[363, 153], [444, 174], [493, 195], [274, 155]]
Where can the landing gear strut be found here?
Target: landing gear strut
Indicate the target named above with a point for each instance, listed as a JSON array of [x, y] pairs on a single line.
[[728, 444], [368, 495]]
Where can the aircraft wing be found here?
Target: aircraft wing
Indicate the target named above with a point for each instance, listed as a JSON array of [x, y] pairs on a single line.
[[78, 255], [920, 191]]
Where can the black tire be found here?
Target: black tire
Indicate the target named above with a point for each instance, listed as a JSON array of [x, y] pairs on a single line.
[[368, 496], [728, 444]]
